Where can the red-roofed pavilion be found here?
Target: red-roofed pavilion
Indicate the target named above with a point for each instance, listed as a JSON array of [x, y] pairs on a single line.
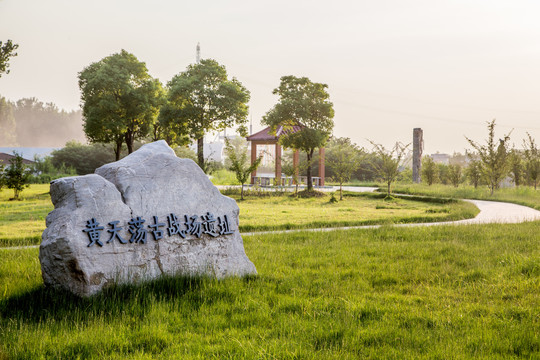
[[266, 137]]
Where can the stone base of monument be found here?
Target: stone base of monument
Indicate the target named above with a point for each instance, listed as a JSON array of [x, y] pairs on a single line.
[[147, 215]]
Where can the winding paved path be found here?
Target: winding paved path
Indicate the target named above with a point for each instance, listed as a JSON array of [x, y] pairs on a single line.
[[491, 212]]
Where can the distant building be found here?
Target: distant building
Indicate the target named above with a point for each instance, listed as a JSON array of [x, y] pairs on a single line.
[[29, 152], [441, 158], [5, 159]]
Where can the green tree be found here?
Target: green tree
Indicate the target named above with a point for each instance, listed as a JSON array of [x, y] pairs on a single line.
[[7, 124], [430, 171], [304, 105], [85, 159], [120, 100], [6, 51], [493, 156], [342, 157], [289, 168], [473, 171], [16, 176], [390, 161], [203, 99], [516, 167], [239, 163], [532, 160], [454, 174]]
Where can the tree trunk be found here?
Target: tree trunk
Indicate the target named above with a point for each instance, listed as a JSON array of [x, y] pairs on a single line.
[[309, 179], [242, 192], [389, 183], [129, 141], [340, 191], [200, 152], [118, 149]]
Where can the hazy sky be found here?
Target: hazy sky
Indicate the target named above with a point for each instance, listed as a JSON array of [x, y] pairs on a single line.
[[391, 65]]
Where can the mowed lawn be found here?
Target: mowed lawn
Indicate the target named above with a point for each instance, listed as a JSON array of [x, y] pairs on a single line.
[[22, 222], [524, 195], [445, 292]]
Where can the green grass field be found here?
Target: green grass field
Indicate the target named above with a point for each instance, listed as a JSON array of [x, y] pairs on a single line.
[[446, 292], [22, 222]]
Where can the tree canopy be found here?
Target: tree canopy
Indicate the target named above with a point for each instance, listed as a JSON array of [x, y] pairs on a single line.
[[494, 156], [237, 154], [203, 99], [304, 104], [120, 100], [390, 160], [6, 51], [343, 157]]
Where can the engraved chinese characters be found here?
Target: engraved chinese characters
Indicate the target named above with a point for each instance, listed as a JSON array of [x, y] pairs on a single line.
[[208, 224], [147, 215]]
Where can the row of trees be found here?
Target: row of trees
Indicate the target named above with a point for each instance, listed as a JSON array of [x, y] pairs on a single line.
[[123, 103], [490, 164], [29, 122]]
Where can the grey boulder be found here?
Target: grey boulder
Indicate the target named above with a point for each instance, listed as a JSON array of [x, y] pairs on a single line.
[[147, 215]]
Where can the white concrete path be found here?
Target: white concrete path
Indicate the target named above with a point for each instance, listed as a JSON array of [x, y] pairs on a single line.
[[491, 212]]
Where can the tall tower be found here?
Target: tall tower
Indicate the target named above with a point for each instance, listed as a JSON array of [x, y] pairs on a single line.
[[418, 146], [198, 53]]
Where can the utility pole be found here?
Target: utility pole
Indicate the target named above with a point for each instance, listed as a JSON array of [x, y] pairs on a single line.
[[418, 147], [198, 53]]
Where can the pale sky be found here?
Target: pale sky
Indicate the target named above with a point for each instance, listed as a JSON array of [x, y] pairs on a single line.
[[391, 65]]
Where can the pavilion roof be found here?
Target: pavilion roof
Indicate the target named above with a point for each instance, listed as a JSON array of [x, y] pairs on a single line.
[[267, 135]]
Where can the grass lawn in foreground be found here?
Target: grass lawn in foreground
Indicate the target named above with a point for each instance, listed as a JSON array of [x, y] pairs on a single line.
[[445, 292], [22, 222]]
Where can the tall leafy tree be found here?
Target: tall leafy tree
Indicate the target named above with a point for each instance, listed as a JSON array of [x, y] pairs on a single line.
[[304, 104], [7, 50], [203, 99], [390, 161], [343, 158], [120, 100], [532, 160], [494, 156]]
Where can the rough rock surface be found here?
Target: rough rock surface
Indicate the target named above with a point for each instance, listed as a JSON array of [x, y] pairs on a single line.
[[153, 184]]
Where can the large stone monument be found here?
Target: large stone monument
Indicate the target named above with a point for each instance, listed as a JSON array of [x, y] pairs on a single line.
[[147, 215]]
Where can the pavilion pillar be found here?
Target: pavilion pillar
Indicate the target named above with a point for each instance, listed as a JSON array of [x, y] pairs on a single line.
[[296, 161], [253, 159], [321, 166], [278, 165]]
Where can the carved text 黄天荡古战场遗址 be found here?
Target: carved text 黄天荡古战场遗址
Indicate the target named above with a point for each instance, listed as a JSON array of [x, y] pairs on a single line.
[[192, 225]]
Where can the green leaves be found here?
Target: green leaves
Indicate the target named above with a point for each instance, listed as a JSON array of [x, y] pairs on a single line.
[[304, 104], [494, 157], [120, 99], [6, 51], [202, 99]]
